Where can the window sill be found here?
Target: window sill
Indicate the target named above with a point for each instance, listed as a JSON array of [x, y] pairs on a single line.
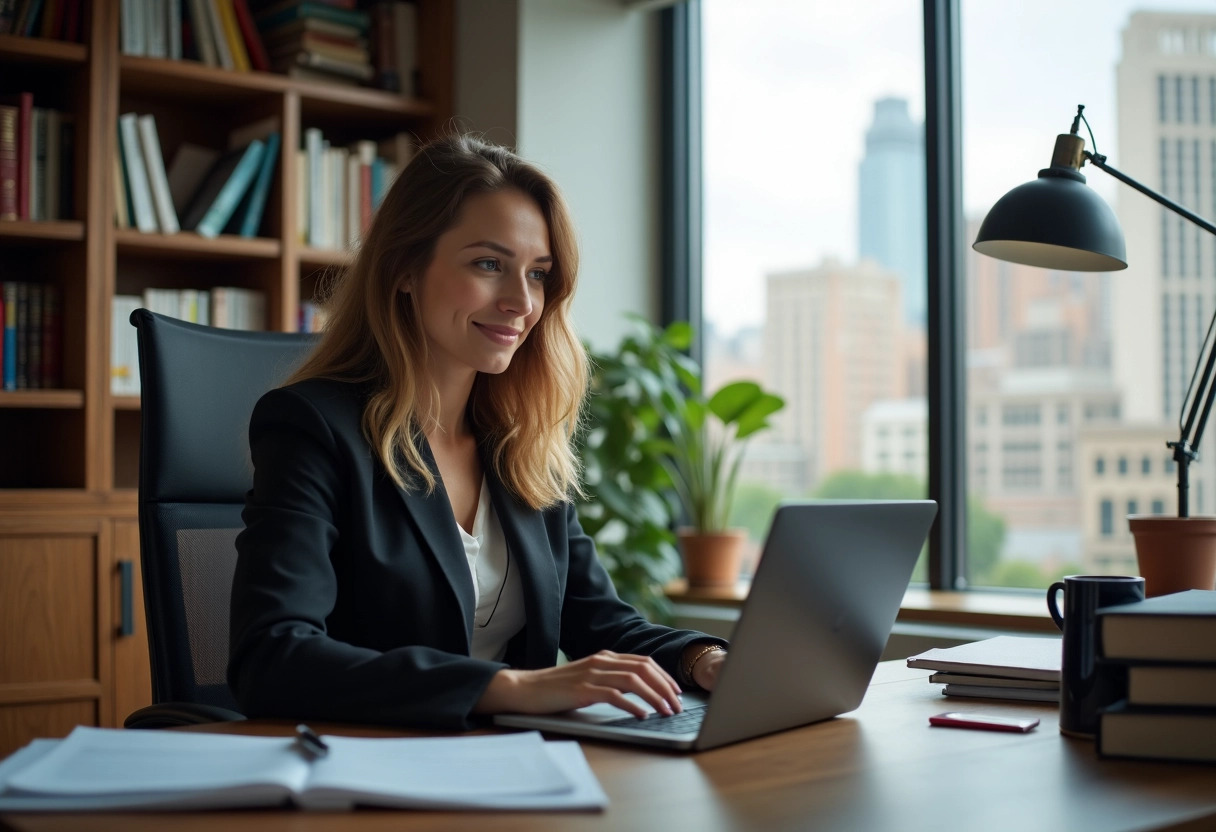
[[973, 608]]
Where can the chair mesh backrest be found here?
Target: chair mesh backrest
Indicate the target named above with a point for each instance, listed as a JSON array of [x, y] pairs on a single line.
[[199, 386]]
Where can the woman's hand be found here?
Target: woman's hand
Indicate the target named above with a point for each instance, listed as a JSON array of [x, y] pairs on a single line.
[[602, 677], [705, 669]]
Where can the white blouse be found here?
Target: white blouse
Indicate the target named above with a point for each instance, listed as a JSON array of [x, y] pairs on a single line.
[[497, 591]]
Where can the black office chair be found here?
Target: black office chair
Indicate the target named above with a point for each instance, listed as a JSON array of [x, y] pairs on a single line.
[[199, 385]]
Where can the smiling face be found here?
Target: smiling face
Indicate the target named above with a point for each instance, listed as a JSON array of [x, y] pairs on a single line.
[[484, 289]]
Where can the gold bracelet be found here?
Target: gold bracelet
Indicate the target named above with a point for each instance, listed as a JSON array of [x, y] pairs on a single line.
[[709, 648]]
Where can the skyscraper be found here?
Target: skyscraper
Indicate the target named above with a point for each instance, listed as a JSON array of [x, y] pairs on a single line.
[[1167, 138], [891, 201], [832, 348]]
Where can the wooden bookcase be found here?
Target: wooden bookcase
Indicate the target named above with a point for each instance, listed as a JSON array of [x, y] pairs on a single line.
[[69, 457]]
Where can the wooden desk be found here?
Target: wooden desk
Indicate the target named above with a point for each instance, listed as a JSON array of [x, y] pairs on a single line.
[[880, 768]]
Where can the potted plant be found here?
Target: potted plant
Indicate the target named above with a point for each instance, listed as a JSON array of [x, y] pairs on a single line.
[[702, 450], [656, 452]]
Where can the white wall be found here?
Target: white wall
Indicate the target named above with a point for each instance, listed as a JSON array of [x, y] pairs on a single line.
[[578, 89]]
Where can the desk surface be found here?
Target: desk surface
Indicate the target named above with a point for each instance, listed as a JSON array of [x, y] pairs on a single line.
[[882, 767]]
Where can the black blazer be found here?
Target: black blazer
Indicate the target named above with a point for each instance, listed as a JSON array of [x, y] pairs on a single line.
[[352, 598]]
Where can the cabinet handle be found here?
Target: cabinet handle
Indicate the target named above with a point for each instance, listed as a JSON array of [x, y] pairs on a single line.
[[126, 574]]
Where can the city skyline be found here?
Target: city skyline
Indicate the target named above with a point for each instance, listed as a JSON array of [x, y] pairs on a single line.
[[1072, 378], [795, 204]]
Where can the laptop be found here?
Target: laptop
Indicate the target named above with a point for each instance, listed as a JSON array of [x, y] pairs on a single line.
[[816, 620]]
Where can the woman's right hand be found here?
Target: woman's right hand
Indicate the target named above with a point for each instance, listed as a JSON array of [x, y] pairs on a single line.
[[602, 677]]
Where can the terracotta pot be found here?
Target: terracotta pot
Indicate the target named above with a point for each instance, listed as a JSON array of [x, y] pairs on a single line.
[[1175, 553], [712, 558]]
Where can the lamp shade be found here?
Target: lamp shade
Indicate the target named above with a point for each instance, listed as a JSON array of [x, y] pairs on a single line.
[[1054, 222]]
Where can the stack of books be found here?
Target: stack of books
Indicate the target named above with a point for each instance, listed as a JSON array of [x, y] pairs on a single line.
[[322, 40], [1003, 667], [1168, 645]]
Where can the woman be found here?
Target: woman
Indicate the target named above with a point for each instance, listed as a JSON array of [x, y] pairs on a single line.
[[410, 552]]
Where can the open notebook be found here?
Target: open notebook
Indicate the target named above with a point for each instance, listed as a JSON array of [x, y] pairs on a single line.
[[98, 768]]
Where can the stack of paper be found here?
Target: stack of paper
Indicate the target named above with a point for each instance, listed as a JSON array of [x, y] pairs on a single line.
[[1004, 667], [98, 768]]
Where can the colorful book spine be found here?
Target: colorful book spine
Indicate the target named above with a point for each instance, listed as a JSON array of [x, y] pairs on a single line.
[[252, 218], [138, 188], [10, 335], [258, 58], [149, 143], [8, 162], [215, 23], [229, 197], [232, 35]]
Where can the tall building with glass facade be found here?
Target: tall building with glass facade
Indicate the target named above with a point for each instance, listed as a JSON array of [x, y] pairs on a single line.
[[891, 201]]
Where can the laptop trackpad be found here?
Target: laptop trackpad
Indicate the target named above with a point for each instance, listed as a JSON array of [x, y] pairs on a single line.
[[603, 712]]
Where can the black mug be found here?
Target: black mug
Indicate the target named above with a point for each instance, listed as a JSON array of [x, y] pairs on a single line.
[[1086, 684]]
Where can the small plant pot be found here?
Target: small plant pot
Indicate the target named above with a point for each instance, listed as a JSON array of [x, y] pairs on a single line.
[[712, 558], [1175, 553]]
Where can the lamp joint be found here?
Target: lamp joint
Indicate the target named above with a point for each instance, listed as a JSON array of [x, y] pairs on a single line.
[[1184, 454]]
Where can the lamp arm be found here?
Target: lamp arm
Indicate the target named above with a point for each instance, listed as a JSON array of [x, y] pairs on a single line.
[[1186, 448], [1099, 161]]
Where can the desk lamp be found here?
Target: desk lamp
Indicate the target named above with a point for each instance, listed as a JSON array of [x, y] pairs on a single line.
[[1056, 222]]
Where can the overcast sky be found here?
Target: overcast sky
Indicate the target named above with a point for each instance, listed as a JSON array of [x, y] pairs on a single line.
[[790, 87]]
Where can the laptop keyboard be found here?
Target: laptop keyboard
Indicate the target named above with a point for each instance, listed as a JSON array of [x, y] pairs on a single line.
[[687, 720]]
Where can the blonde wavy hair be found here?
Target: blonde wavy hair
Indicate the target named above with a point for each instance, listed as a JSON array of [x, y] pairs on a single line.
[[527, 415]]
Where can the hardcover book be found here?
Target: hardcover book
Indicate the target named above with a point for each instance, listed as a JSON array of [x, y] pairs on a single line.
[[1179, 627], [1185, 685], [1158, 733], [138, 188]]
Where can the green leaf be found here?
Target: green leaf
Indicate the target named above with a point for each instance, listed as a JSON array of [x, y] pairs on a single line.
[[755, 418]]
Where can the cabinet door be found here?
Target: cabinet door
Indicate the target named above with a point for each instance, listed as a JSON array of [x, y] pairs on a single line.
[[54, 666], [132, 672]]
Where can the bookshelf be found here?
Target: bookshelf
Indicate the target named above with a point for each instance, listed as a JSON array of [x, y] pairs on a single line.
[[69, 458]]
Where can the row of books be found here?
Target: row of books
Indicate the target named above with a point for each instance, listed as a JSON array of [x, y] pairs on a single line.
[[230, 307], [31, 354], [203, 189], [36, 153], [1168, 646], [327, 40], [56, 19], [1002, 667], [339, 188], [217, 32]]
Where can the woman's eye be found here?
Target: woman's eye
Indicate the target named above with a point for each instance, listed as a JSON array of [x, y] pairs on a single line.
[[538, 274], [489, 265]]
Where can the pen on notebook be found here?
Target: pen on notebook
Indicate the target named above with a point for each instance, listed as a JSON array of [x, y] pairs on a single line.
[[308, 741]]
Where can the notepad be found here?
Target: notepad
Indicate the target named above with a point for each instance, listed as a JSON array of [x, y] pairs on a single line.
[[1016, 657], [98, 768]]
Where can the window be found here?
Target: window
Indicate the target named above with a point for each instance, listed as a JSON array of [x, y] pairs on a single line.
[[1073, 342], [816, 253], [1158, 508], [837, 307], [1146, 466]]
